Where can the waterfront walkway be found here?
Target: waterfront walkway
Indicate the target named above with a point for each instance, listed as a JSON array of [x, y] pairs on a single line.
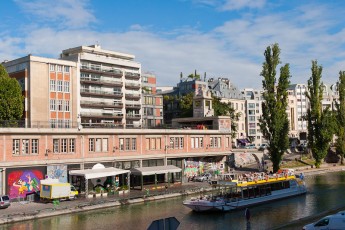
[[24, 210]]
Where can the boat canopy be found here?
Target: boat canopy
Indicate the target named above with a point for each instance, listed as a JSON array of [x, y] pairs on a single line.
[[98, 172]]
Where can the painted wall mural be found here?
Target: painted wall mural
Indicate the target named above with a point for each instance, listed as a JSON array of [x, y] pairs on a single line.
[[22, 182], [57, 172]]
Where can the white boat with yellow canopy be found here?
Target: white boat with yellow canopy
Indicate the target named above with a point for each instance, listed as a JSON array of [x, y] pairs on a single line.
[[245, 190]]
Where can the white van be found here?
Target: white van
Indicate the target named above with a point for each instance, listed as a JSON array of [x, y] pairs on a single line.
[[334, 222]]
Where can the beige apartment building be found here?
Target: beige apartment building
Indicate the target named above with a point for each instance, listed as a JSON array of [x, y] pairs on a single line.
[[49, 87]]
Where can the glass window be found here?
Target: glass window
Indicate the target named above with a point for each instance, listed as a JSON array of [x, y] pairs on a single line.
[[105, 145], [91, 145], [67, 106], [59, 86], [71, 145], [59, 105], [66, 69], [121, 144], [98, 144], [25, 146], [134, 143], [15, 147], [52, 105], [66, 86], [55, 145], [52, 85], [52, 67], [34, 146], [64, 145]]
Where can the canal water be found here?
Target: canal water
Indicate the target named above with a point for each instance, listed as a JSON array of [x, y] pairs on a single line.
[[325, 192]]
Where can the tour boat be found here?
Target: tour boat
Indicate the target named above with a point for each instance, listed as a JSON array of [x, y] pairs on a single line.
[[249, 190]]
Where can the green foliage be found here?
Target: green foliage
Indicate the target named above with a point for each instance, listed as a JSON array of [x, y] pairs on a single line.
[[225, 109], [321, 124], [194, 76], [11, 99], [340, 117], [186, 105], [274, 123]]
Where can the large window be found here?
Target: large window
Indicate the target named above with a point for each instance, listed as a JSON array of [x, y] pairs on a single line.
[[59, 86], [34, 146], [176, 142], [25, 146], [98, 144], [128, 144], [52, 85], [66, 86], [197, 142], [52, 105], [64, 145], [15, 147]]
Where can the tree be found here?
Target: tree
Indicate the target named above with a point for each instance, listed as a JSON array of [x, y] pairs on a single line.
[[320, 121], [340, 117], [186, 105], [11, 99], [274, 123], [225, 109]]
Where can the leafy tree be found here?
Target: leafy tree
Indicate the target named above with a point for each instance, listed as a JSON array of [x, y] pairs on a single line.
[[225, 109], [274, 123], [194, 76], [340, 117], [186, 105], [11, 99], [320, 121]]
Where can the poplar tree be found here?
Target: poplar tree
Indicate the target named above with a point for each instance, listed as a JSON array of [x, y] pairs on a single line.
[[340, 117], [320, 121], [274, 123], [11, 98]]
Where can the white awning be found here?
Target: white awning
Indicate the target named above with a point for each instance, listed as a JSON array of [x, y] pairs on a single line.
[[145, 171], [98, 172]]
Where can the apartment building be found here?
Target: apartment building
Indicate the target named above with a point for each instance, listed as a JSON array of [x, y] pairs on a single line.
[[152, 103], [302, 103], [229, 93], [49, 87], [109, 87]]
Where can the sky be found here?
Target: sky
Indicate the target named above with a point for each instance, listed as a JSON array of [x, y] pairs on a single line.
[[222, 38]]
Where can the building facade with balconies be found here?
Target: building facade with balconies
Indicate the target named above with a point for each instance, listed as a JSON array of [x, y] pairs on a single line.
[[109, 87]]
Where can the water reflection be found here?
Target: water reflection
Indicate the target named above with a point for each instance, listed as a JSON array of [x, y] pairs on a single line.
[[324, 193]]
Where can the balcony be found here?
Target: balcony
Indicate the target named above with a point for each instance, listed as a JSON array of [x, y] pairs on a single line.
[[101, 69], [95, 81], [133, 116], [129, 75], [92, 104], [132, 96], [101, 115], [133, 106], [130, 85], [92, 92]]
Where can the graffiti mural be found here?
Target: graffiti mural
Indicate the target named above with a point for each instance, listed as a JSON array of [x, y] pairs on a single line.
[[57, 172], [22, 182]]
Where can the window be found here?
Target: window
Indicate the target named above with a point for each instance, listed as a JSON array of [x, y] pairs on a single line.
[[59, 68], [66, 69], [91, 145], [64, 145], [59, 105], [52, 67], [71, 145], [52, 85], [128, 144], [52, 105], [66, 86], [15, 147], [25, 146], [67, 106], [105, 144], [98, 145], [34, 146], [55, 145], [59, 86]]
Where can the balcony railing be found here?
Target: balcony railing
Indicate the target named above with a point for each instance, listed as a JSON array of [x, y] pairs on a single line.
[[132, 85], [135, 106], [101, 93], [102, 69], [132, 75], [92, 104], [102, 115], [133, 116], [100, 81], [132, 96]]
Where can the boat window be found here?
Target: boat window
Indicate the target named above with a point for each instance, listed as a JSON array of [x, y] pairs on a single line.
[[323, 222]]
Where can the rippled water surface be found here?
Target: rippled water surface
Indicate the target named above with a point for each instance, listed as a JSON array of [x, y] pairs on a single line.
[[325, 192]]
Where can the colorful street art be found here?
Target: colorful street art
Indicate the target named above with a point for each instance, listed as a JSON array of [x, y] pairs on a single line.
[[20, 183], [57, 172]]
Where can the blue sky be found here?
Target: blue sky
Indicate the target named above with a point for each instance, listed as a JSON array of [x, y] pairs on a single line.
[[224, 38]]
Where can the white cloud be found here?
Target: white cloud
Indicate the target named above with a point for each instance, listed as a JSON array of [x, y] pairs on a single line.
[[242, 4], [66, 13]]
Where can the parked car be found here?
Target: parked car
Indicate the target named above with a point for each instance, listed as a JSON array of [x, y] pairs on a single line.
[[251, 146], [336, 221], [263, 147], [4, 201], [203, 177]]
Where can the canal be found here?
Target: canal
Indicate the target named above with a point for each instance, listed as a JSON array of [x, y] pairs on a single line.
[[325, 193]]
